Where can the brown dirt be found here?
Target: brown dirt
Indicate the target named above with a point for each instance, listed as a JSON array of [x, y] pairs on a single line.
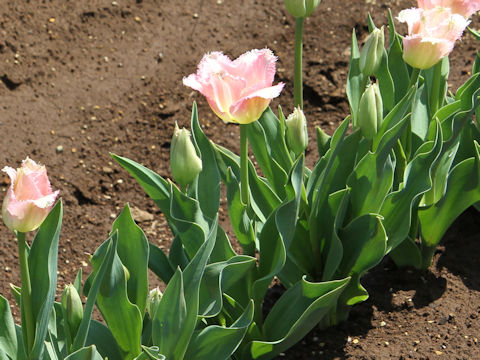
[[99, 76]]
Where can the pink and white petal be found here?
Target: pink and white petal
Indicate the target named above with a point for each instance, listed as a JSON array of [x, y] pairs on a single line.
[[412, 17], [270, 92], [249, 110], [26, 188], [46, 201], [257, 67], [222, 115], [193, 82], [12, 174], [423, 54]]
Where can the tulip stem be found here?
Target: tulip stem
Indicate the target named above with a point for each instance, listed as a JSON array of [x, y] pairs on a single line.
[[26, 294], [297, 81], [435, 93], [244, 165]]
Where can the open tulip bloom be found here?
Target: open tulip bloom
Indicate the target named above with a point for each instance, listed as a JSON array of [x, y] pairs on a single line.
[[237, 91]]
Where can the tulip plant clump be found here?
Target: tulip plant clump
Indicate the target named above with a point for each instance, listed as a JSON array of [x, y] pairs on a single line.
[[390, 181]]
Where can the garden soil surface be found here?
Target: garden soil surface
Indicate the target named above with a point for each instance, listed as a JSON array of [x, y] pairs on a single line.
[[80, 79]]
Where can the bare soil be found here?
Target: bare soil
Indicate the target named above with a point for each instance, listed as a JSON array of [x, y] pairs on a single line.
[[80, 79]]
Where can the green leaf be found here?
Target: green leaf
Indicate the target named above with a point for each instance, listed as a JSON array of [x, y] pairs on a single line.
[[420, 120], [159, 263], [385, 82], [407, 254], [237, 212], [8, 338], [286, 324], [154, 185], [463, 190], [113, 302], [89, 353], [91, 289], [133, 250], [42, 259], [219, 277], [170, 316], [417, 181], [101, 336], [217, 342], [209, 178], [364, 243], [356, 81], [398, 68], [150, 353]]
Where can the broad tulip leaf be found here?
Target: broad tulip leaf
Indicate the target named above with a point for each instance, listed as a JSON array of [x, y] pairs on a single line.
[[101, 336], [436, 83], [286, 324], [218, 278], [159, 263], [91, 289], [356, 81], [157, 188], [42, 259], [170, 316], [89, 353], [237, 211], [208, 187], [8, 338], [150, 353], [133, 250], [277, 233], [420, 119], [188, 219], [372, 179], [364, 243], [407, 253], [217, 342], [114, 304], [176, 254], [416, 182], [398, 68], [385, 83], [394, 117], [223, 248], [263, 198], [463, 190]]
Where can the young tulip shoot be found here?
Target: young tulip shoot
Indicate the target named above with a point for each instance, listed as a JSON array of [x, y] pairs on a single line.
[[184, 161], [72, 305], [431, 35], [301, 8], [296, 131], [238, 91], [372, 52], [29, 197], [153, 301], [370, 111]]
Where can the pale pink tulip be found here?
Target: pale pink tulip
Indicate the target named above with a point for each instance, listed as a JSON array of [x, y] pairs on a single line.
[[29, 197], [462, 7], [431, 35], [237, 91]]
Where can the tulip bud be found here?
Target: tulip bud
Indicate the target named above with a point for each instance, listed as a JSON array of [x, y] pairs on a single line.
[[296, 132], [153, 301], [301, 8], [372, 52], [323, 141], [184, 161], [72, 304], [370, 111]]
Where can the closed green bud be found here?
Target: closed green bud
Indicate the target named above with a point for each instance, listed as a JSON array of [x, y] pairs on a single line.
[[184, 161], [372, 52], [153, 301], [370, 111], [301, 8], [296, 132], [72, 305]]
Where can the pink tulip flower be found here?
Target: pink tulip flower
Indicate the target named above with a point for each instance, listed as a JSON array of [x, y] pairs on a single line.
[[462, 7], [237, 91], [29, 197], [431, 35]]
